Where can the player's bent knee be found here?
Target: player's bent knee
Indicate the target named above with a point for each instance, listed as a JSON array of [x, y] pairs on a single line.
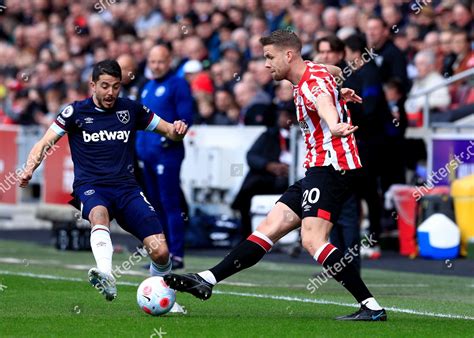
[[99, 215]]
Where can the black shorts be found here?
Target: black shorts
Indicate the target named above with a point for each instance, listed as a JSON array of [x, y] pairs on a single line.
[[320, 193]]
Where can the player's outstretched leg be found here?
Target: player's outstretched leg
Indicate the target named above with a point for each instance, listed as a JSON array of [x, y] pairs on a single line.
[[101, 276], [314, 234], [278, 223], [160, 261]]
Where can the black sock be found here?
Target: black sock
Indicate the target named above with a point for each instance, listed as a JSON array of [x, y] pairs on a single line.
[[344, 272], [245, 255]]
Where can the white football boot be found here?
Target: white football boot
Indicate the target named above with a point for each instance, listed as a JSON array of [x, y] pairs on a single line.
[[103, 282]]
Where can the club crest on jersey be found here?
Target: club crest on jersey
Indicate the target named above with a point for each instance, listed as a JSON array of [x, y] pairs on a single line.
[[123, 116], [67, 112]]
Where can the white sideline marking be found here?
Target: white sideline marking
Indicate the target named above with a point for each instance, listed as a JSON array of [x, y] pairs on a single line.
[[256, 295], [322, 301], [12, 260]]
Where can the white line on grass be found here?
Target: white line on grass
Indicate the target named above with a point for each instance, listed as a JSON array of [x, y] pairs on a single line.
[[12, 260], [256, 295], [322, 301]]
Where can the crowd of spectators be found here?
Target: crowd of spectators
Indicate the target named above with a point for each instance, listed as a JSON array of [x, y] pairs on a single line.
[[48, 47]]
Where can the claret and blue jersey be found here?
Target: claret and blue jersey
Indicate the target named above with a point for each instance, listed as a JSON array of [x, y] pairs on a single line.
[[102, 146], [102, 141]]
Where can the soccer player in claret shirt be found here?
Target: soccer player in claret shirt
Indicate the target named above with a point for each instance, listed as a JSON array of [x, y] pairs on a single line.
[[101, 132], [332, 163]]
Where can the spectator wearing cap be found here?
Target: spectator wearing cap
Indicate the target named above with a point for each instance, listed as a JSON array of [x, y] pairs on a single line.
[[194, 49], [199, 80], [170, 96]]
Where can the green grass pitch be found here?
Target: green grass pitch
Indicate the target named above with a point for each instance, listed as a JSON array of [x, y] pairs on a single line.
[[45, 293]]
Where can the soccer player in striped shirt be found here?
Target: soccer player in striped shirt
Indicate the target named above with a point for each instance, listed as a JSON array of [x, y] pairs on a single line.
[[314, 202]]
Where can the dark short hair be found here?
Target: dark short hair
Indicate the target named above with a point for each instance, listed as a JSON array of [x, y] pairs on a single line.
[[282, 38], [336, 44], [459, 31], [379, 18], [355, 43], [106, 67], [165, 44]]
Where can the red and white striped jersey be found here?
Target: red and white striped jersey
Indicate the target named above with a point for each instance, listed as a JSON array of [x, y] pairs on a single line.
[[323, 149]]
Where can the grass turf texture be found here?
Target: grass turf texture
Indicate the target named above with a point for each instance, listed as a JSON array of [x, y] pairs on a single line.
[[40, 307]]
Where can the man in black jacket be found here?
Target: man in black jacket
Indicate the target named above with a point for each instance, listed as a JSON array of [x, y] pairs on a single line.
[[371, 117], [269, 160], [389, 59]]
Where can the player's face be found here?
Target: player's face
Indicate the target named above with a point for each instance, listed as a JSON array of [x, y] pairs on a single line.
[[106, 90], [276, 60]]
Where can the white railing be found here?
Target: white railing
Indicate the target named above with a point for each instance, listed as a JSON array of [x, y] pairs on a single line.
[[426, 92]]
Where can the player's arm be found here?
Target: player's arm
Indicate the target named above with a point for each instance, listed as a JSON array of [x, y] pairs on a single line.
[[334, 70], [174, 131], [327, 111], [37, 154], [348, 94]]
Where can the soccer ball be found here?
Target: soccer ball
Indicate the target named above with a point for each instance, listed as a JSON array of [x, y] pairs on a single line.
[[155, 297]]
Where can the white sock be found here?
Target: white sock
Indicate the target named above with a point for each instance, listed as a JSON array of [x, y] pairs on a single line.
[[372, 304], [160, 270], [208, 276], [102, 248]]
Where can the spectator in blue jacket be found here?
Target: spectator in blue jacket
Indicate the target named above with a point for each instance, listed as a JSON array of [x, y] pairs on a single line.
[[160, 158]]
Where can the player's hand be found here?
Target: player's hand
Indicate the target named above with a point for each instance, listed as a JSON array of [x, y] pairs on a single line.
[[349, 95], [180, 127], [343, 129], [178, 130], [25, 178]]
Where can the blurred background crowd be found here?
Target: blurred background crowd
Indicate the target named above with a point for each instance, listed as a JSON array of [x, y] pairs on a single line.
[[48, 47], [388, 51]]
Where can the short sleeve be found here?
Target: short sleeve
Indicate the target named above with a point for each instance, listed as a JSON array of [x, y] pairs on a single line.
[[146, 119], [64, 121]]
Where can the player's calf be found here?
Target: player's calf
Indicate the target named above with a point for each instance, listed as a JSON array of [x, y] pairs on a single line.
[[316, 231], [158, 251]]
